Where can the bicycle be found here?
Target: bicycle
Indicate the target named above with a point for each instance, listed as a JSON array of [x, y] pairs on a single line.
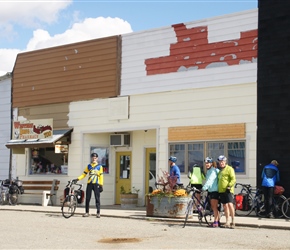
[[10, 191], [204, 210], [72, 198], [286, 208], [254, 202]]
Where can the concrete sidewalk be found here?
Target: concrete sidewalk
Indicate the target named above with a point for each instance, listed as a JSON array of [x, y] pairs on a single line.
[[140, 213]]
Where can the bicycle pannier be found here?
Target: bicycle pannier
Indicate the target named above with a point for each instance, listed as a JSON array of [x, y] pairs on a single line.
[[13, 189], [65, 192], [239, 201], [242, 202], [278, 190], [80, 196]]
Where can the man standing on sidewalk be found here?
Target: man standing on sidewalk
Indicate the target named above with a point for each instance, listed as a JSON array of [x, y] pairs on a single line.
[[95, 183], [270, 176]]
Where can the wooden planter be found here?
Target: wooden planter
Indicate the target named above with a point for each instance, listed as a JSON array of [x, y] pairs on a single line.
[[174, 207], [129, 200]]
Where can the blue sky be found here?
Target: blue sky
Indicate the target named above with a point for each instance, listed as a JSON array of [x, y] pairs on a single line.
[[27, 25]]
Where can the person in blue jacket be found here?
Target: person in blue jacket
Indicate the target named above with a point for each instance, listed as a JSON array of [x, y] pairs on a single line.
[[211, 185], [270, 176], [174, 169]]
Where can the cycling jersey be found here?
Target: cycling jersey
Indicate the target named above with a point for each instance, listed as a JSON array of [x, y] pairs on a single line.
[[95, 172]]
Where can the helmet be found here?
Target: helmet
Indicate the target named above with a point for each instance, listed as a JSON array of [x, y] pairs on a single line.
[[222, 158], [208, 159], [172, 158], [94, 155]]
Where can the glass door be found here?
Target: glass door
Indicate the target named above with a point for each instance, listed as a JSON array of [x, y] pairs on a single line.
[[123, 173]]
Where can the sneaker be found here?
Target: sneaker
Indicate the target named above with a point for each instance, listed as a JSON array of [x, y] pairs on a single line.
[[232, 225], [226, 225], [86, 215], [215, 224], [270, 216], [98, 216]]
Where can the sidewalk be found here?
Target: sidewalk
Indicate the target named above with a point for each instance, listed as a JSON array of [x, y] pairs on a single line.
[[140, 213]]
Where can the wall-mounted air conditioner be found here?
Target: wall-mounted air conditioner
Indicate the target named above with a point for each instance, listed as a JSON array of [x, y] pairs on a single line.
[[120, 140]]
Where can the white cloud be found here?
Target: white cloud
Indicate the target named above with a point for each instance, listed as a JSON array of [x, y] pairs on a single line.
[[30, 13], [8, 57], [90, 28]]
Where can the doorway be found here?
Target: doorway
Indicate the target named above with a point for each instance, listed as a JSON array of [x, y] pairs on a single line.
[[150, 173], [123, 173]]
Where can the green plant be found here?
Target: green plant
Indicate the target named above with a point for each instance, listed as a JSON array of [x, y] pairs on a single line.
[[130, 191], [167, 187]]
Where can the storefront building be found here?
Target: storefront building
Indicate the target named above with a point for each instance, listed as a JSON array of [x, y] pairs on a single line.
[[187, 90]]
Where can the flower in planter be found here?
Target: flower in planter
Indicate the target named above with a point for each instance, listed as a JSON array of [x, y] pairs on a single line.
[[130, 191], [167, 187]]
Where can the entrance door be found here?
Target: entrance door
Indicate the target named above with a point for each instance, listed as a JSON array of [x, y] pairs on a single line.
[[150, 173], [123, 173]]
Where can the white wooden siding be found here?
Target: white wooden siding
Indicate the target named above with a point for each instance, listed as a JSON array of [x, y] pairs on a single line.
[[139, 46], [207, 106], [5, 125]]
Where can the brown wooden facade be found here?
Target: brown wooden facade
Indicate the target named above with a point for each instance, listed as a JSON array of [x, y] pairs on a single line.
[[73, 72]]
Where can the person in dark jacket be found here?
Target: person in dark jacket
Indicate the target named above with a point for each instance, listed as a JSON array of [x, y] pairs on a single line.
[[270, 176]]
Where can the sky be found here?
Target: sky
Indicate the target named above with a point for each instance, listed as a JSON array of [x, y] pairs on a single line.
[[27, 25]]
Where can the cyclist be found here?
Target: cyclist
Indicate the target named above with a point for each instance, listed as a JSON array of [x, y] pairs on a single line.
[[211, 184], [270, 176], [95, 183], [226, 183], [196, 176], [174, 169]]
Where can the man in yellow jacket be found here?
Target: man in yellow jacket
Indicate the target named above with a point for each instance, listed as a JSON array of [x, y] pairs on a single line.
[[226, 186], [95, 183]]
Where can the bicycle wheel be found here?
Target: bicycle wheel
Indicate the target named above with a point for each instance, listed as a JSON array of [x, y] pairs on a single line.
[[69, 206], [208, 215], [188, 211], [250, 208], [277, 202], [286, 208], [13, 198]]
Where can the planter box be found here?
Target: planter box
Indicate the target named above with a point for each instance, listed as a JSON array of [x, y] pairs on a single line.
[[174, 207], [129, 200]]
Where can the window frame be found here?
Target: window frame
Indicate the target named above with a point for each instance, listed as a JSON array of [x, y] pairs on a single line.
[[183, 157]]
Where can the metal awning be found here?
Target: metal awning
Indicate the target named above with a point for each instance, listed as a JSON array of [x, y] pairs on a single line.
[[57, 137]]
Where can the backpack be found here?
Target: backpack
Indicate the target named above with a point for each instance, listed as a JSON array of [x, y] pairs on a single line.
[[242, 202]]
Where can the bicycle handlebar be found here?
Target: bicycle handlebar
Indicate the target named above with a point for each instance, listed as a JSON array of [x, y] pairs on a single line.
[[243, 185], [194, 189], [70, 183]]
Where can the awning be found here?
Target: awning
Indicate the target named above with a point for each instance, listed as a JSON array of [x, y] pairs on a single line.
[[59, 137]]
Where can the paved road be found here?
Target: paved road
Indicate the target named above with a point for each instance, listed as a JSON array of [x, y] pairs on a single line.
[[34, 230]]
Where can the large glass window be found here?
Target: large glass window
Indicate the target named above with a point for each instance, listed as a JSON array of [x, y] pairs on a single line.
[[192, 153], [49, 160]]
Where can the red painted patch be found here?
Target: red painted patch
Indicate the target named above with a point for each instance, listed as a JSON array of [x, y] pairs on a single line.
[[193, 50]]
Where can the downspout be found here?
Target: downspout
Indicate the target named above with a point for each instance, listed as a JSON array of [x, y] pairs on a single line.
[[11, 127]]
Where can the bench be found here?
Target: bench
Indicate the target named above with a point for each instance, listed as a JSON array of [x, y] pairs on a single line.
[[47, 189]]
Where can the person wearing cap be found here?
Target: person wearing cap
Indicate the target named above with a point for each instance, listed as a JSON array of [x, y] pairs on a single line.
[[211, 185], [270, 176], [95, 183], [226, 183], [196, 176], [174, 169]]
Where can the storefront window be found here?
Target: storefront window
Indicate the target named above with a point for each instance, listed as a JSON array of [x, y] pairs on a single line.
[[49, 160], [103, 158]]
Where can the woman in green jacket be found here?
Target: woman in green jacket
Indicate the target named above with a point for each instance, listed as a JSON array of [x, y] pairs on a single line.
[[226, 183]]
